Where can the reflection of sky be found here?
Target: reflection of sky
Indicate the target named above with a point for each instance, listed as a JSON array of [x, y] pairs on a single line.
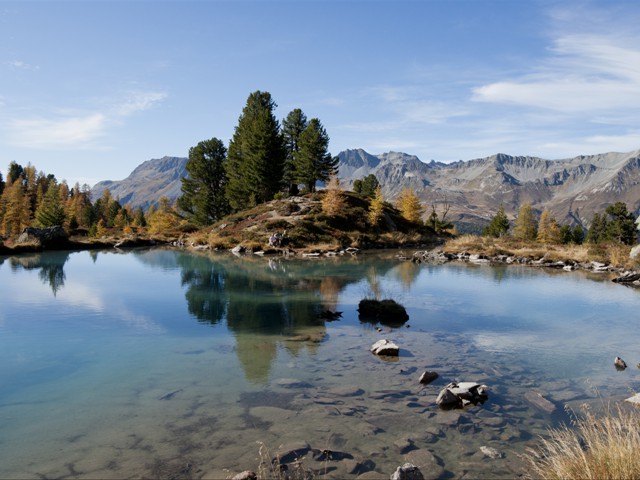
[[521, 310]]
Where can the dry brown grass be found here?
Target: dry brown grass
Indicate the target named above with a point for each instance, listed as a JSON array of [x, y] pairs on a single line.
[[604, 446], [613, 254]]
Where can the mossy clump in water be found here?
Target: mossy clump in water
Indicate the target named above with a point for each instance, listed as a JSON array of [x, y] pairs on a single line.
[[387, 312]]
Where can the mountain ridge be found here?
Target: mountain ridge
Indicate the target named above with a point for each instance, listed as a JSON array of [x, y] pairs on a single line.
[[473, 190]]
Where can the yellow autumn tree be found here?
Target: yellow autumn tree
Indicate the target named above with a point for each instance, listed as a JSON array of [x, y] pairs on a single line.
[[376, 206], [333, 201], [409, 205], [548, 229], [163, 218]]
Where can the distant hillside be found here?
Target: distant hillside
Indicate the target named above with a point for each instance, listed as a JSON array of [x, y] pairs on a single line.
[[572, 189], [149, 182]]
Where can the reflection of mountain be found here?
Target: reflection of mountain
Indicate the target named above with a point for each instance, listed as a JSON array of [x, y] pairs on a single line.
[[50, 264]]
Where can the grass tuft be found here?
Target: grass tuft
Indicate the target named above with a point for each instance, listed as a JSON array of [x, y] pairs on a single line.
[[599, 447]]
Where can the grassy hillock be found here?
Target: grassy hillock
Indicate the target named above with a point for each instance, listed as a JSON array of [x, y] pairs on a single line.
[[306, 228]]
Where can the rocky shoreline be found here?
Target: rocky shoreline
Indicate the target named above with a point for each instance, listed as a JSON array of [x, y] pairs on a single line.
[[438, 257]]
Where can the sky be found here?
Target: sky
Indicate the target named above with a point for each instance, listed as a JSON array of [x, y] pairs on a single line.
[[90, 89]]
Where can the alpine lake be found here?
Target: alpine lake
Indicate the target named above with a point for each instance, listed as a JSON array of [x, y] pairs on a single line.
[[166, 363]]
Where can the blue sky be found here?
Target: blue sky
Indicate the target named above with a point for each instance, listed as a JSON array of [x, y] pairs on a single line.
[[89, 89]]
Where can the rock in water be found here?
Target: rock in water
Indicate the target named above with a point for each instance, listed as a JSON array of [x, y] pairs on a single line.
[[619, 363], [461, 394], [385, 347], [408, 471], [428, 377]]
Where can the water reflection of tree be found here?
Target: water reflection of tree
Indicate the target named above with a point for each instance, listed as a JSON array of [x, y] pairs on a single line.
[[205, 281], [267, 303], [49, 264]]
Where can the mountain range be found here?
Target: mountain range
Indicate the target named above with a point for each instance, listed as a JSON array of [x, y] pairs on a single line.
[[470, 191]]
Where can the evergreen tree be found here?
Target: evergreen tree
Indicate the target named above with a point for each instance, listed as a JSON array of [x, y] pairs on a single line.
[[256, 156], [566, 234], [409, 205], [50, 212], [548, 229], [367, 186], [597, 232], [622, 226], [333, 202], [15, 172], [498, 226], [577, 235], [203, 190], [292, 128], [313, 162], [525, 226], [376, 207]]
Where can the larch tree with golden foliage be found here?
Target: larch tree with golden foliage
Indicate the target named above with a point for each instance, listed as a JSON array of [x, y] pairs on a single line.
[[333, 201], [409, 205], [525, 227], [548, 229], [376, 207]]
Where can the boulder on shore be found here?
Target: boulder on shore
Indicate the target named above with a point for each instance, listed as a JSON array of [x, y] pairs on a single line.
[[42, 237]]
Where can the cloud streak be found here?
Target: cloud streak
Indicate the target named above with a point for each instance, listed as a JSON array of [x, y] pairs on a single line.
[[78, 131]]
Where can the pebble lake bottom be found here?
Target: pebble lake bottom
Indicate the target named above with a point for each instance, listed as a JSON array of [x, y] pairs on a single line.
[[167, 364]]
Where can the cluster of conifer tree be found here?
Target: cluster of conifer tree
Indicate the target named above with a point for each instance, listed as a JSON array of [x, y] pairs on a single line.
[[616, 224], [264, 161]]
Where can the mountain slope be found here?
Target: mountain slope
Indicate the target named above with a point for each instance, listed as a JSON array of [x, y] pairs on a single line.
[[149, 182], [572, 189]]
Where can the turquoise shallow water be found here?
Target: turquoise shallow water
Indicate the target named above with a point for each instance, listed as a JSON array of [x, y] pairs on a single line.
[[165, 363]]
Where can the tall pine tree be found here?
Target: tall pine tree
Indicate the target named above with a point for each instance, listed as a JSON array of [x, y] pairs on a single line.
[[203, 190], [292, 128], [256, 156], [313, 162]]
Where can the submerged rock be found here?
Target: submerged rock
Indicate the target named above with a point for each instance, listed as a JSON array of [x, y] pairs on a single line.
[[408, 471], [490, 452], [537, 399]]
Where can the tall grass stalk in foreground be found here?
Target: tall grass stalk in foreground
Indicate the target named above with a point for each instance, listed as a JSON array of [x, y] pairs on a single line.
[[605, 446]]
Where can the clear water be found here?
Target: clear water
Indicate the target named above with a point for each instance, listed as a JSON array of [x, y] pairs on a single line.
[[163, 363]]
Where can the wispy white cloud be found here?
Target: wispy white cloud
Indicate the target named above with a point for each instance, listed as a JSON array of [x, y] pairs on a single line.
[[138, 102], [19, 64], [585, 74], [78, 130], [60, 132]]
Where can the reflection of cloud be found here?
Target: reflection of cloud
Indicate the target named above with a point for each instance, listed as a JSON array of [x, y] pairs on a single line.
[[81, 295]]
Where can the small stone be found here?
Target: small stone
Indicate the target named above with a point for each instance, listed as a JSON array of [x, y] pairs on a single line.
[[385, 347], [619, 363], [246, 475], [536, 399], [428, 377], [490, 452]]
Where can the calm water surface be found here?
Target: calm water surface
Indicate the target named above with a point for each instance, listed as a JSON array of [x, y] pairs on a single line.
[[162, 363]]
